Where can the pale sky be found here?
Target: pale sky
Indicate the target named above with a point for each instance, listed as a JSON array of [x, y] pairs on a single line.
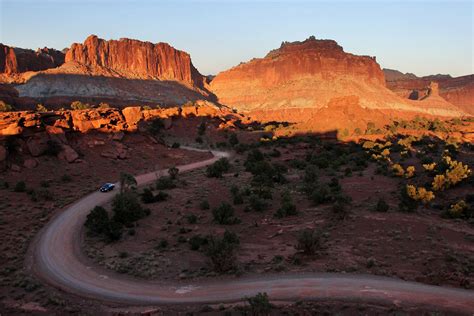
[[423, 37]]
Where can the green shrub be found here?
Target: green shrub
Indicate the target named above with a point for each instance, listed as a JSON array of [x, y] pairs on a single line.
[[175, 145], [155, 126], [127, 209], [224, 214], [165, 183], [192, 219], [287, 208], [173, 172], [202, 128], [204, 205], [77, 105], [340, 210], [20, 186], [309, 241], [259, 304], [221, 252], [197, 241], [233, 140], [99, 224], [381, 206], [257, 204], [4, 107], [218, 168], [41, 108], [320, 194]]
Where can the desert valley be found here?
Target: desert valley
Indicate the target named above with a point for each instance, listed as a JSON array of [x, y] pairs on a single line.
[[307, 181]]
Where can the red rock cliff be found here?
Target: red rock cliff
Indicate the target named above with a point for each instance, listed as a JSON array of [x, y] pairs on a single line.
[[304, 74], [135, 59], [17, 60]]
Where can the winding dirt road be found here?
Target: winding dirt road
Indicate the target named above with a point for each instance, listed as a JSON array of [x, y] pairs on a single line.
[[57, 258]]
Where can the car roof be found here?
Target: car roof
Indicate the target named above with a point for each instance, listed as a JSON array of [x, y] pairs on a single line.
[[108, 184]]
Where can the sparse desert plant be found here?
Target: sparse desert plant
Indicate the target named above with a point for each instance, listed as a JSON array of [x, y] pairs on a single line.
[[287, 208], [259, 304], [197, 241], [224, 214], [204, 205], [175, 145], [20, 186], [419, 194], [221, 251], [202, 129], [340, 210], [192, 219], [127, 182], [165, 183], [256, 204], [309, 241], [457, 209], [173, 172], [5, 107], [320, 194], [398, 170], [381, 206], [97, 220], [233, 140], [41, 108], [429, 166], [78, 105], [455, 172], [218, 168], [410, 172], [155, 126], [127, 209]]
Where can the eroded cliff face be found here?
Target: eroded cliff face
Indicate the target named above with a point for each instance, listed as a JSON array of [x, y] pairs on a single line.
[[458, 91], [135, 59], [17, 60], [304, 74]]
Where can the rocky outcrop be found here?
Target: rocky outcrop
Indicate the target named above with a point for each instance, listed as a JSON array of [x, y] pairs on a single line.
[[458, 91], [109, 120], [299, 75], [135, 59], [17, 60]]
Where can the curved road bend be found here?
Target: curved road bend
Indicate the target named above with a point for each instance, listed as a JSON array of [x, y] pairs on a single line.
[[58, 259]]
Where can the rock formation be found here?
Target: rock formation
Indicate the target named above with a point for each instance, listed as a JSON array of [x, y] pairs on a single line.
[[17, 60], [307, 81], [135, 59], [458, 91]]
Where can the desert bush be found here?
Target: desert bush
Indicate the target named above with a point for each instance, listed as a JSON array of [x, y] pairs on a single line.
[[457, 209], [218, 168], [410, 172], [20, 186], [173, 172], [4, 107], [164, 183], [66, 178], [233, 140], [197, 241], [204, 205], [398, 170], [53, 148], [419, 194], [156, 126], [191, 218], [202, 129], [104, 105], [287, 208], [310, 174], [429, 166], [97, 220], [127, 182], [148, 196], [340, 210], [320, 194], [256, 204], [78, 105], [127, 209], [224, 214], [455, 172], [309, 241], [41, 108], [175, 145], [381, 206], [236, 195], [259, 304], [221, 251]]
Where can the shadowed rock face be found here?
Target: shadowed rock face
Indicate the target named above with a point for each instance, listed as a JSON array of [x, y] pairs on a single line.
[[300, 74], [17, 60], [458, 91], [135, 59]]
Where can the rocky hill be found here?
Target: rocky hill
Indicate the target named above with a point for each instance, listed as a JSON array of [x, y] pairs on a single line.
[[305, 81], [15, 60], [458, 91], [120, 72]]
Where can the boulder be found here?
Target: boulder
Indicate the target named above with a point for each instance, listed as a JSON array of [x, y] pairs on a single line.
[[68, 154], [3, 153], [38, 144], [132, 116], [30, 163]]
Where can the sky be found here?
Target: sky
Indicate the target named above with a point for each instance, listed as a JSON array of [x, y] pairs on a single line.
[[421, 37]]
